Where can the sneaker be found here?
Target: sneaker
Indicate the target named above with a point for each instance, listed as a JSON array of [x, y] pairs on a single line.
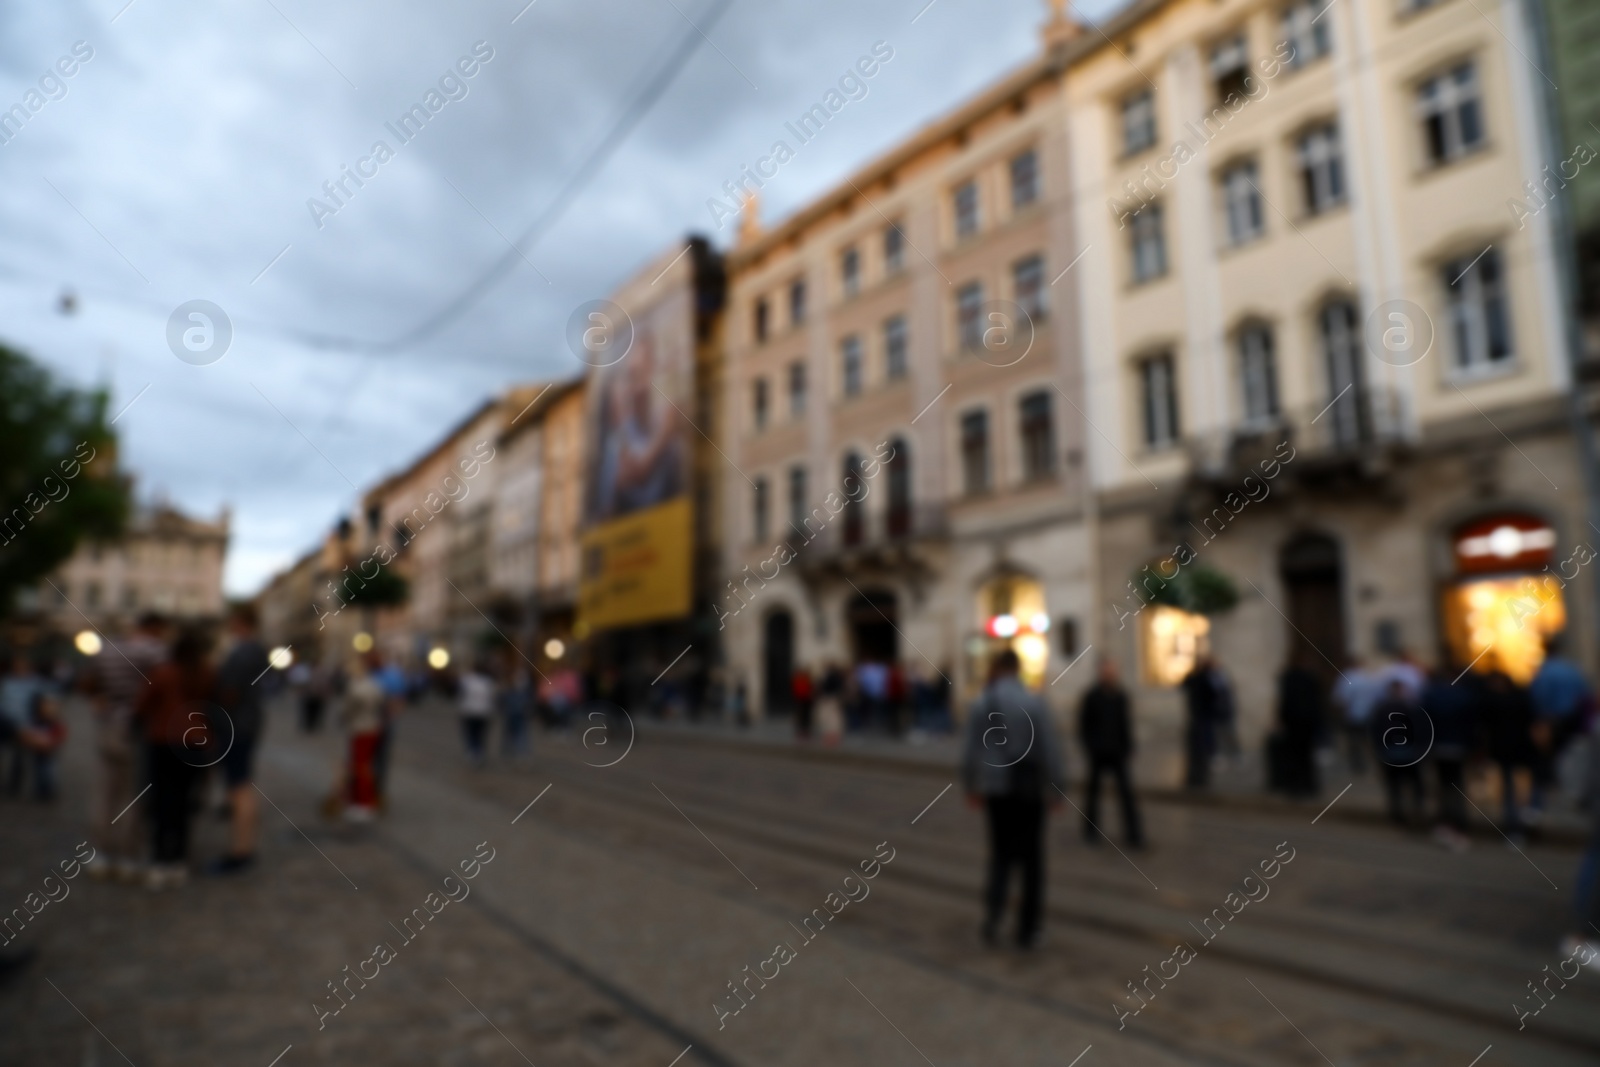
[[101, 872], [155, 877], [357, 813], [129, 871]]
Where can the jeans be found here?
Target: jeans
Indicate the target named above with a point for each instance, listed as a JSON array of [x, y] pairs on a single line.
[[1452, 800], [1117, 768], [1016, 839], [172, 782], [475, 731], [1399, 781], [1588, 892]]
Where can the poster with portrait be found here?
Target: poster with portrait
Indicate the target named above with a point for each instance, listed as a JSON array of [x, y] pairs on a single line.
[[638, 521]]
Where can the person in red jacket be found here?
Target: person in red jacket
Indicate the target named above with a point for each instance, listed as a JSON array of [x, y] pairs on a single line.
[[173, 712]]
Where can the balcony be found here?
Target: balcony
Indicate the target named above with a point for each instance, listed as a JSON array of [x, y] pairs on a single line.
[[858, 539], [1358, 437]]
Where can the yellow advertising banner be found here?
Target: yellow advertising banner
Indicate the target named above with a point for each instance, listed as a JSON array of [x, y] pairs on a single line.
[[635, 569]]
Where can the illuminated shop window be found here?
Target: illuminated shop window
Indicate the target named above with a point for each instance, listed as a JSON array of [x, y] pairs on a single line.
[[1174, 640], [1015, 617], [1504, 602]]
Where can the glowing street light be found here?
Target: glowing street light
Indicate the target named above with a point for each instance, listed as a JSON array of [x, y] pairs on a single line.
[[362, 642], [554, 649], [280, 658], [438, 658], [88, 642]]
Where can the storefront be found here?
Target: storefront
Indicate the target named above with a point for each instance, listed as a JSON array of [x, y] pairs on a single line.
[[1015, 616], [1503, 600]]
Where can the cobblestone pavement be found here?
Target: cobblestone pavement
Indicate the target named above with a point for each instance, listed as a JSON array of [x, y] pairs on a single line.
[[618, 908]]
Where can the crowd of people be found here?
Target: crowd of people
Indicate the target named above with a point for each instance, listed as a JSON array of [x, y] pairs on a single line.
[[1409, 722], [167, 716], [873, 696]]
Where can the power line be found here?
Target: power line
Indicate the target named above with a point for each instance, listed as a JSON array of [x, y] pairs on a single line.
[[644, 94]]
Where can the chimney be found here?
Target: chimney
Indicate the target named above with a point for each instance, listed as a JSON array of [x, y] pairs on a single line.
[[749, 219], [1061, 28]]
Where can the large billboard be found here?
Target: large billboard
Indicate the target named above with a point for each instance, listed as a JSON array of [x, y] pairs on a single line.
[[638, 520]]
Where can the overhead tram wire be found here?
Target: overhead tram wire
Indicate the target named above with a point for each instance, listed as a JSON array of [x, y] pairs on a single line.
[[648, 91]]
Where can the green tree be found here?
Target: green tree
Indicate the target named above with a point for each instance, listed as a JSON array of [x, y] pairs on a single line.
[[58, 479]]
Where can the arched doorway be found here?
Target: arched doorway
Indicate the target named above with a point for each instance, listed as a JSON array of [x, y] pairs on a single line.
[[777, 659], [872, 617], [1313, 577], [853, 479], [1502, 603]]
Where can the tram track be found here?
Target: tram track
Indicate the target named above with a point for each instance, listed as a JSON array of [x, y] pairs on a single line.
[[944, 874]]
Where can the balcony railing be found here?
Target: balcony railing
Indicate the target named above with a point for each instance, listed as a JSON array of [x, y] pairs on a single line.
[[858, 532], [1359, 428]]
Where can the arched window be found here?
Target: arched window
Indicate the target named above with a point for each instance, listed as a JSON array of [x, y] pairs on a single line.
[[898, 518], [1258, 373], [854, 490], [1341, 356]]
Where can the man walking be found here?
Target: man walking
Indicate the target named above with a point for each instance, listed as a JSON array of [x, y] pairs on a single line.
[[1106, 730], [1200, 699], [240, 698], [1011, 766]]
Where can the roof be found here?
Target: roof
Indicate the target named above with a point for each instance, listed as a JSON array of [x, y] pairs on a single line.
[[536, 408], [515, 398], [1049, 64]]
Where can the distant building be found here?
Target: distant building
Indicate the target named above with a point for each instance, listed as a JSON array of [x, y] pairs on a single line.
[[166, 562]]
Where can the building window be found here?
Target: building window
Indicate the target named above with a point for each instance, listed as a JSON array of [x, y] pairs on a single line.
[[895, 344], [797, 389], [1147, 244], [1341, 356], [1304, 31], [758, 509], [969, 314], [1138, 121], [1258, 374], [1480, 321], [1241, 202], [854, 485], [1321, 168], [762, 319], [1038, 436], [1451, 110], [1024, 179], [850, 362], [966, 208], [975, 452], [797, 498], [897, 518], [758, 402], [1027, 282], [1230, 68], [797, 301], [850, 271], [1158, 390], [894, 249]]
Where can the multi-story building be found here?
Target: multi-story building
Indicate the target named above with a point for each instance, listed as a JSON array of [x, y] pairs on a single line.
[[904, 432], [166, 562], [1326, 365], [536, 518]]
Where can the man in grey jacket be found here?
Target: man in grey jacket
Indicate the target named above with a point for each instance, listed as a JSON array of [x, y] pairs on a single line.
[[1012, 767]]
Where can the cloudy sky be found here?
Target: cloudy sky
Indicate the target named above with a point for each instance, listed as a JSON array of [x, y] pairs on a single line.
[[176, 163]]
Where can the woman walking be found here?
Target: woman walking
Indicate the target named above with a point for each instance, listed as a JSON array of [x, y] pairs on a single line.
[[361, 712], [172, 713]]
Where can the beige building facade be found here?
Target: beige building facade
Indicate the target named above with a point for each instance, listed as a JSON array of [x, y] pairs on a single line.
[[905, 450], [1325, 363], [165, 562]]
